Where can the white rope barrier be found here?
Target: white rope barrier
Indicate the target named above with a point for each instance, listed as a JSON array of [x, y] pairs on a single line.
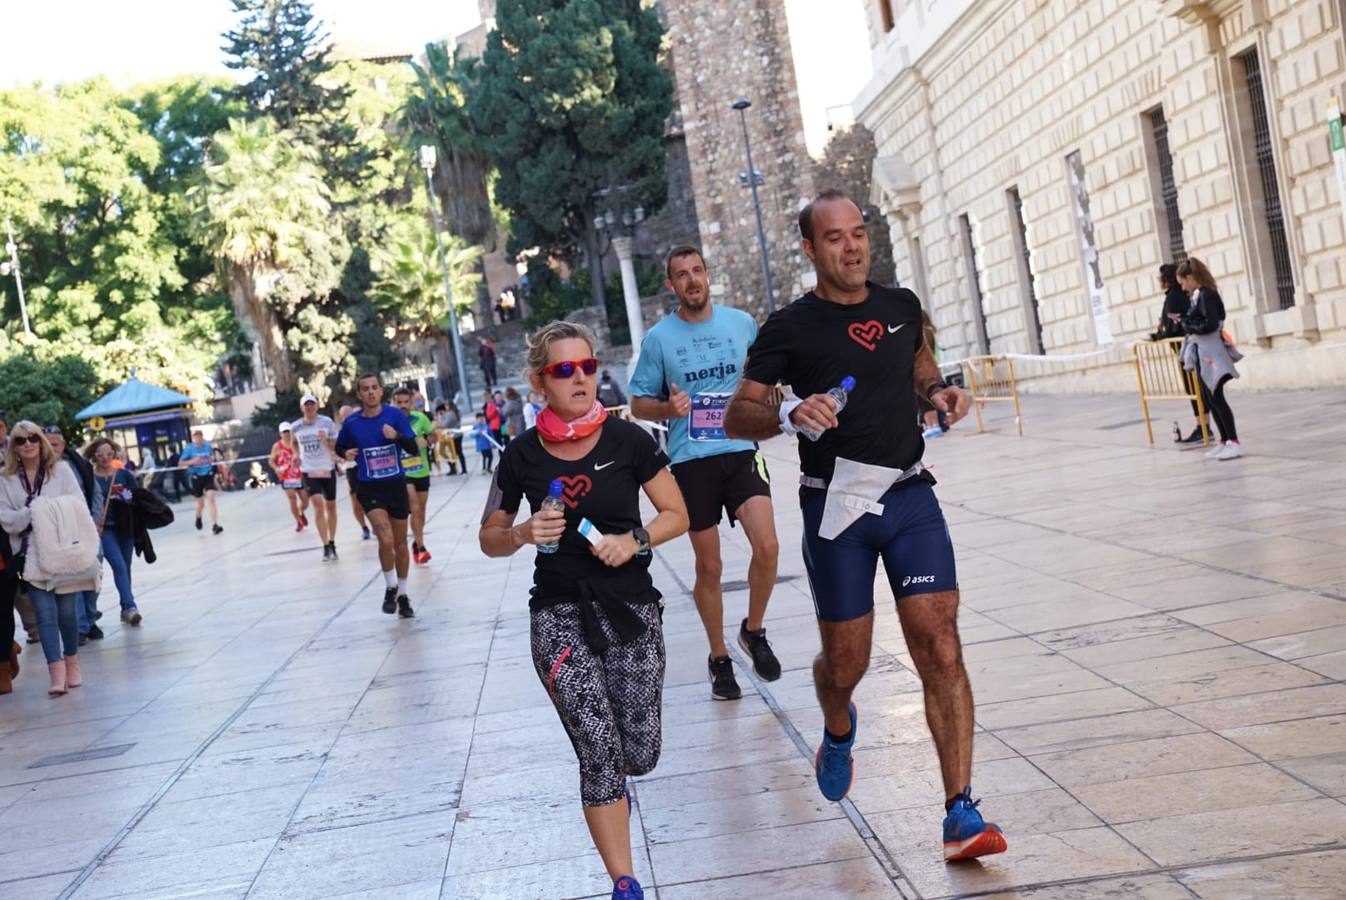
[[1121, 349]]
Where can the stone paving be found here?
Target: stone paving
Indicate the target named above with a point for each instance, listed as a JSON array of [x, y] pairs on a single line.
[[1157, 644]]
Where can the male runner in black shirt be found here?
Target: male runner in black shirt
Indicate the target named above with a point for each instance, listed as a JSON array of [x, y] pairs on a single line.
[[865, 494]]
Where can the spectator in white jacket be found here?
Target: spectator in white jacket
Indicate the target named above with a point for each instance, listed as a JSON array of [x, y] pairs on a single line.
[[31, 470]]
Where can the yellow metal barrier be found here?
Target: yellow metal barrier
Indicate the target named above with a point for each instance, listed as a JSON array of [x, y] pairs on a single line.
[[990, 379], [1160, 375]]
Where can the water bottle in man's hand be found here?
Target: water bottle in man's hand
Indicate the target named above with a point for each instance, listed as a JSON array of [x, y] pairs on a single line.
[[839, 395]]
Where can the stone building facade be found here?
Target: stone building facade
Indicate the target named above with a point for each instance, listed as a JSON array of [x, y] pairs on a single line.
[[1039, 159], [721, 52]]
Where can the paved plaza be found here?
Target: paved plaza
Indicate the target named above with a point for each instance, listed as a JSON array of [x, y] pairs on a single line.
[[1157, 645]]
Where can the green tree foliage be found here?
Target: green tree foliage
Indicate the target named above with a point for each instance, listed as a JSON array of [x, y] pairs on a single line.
[[409, 280], [286, 49], [171, 226], [342, 113], [91, 179], [573, 99], [46, 386], [435, 114], [265, 215], [409, 284]]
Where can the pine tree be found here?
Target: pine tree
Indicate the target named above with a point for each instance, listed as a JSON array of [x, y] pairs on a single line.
[[570, 99], [286, 49]]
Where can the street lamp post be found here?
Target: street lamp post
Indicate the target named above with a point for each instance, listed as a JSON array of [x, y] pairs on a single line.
[[13, 266], [427, 158], [742, 105]]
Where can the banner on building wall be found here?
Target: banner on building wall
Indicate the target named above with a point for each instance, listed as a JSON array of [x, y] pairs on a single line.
[[1084, 232], [1338, 151]]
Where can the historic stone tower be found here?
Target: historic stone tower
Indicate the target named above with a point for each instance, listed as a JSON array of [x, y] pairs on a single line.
[[721, 52]]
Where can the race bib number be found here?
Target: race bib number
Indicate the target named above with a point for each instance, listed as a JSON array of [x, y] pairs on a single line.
[[382, 462], [706, 420]]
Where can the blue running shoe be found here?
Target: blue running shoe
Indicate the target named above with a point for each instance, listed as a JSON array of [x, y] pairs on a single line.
[[966, 835], [627, 888], [833, 764]]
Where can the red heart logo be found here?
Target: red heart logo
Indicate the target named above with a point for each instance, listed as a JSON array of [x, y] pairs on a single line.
[[866, 335], [575, 488]]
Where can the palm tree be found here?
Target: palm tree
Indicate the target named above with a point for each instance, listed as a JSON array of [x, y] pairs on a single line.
[[409, 283], [265, 213], [435, 113]]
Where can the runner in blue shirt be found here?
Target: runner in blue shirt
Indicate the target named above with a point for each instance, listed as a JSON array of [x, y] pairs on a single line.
[[199, 458], [689, 366], [374, 439]]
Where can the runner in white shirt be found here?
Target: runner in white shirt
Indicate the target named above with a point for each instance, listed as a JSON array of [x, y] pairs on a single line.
[[316, 434]]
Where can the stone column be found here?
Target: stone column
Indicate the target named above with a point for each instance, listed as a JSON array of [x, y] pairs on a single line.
[[624, 245]]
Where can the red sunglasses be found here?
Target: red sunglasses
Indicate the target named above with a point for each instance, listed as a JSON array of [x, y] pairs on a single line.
[[566, 367]]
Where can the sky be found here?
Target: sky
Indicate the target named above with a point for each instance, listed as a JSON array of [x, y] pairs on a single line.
[[830, 44], [130, 41], [140, 40]]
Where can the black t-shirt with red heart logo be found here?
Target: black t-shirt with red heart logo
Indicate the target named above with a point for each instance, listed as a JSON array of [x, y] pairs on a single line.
[[603, 486], [812, 344]]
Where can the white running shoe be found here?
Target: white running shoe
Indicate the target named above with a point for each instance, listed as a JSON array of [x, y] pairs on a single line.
[[1214, 452], [1231, 450]]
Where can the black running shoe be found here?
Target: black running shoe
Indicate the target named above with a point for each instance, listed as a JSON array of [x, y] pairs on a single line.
[[198, 523], [1195, 437], [216, 529], [723, 685], [404, 607], [390, 600], [332, 549], [755, 644], [326, 552], [95, 633]]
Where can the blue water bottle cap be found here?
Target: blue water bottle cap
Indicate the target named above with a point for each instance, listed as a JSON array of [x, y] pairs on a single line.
[[557, 488], [848, 384]]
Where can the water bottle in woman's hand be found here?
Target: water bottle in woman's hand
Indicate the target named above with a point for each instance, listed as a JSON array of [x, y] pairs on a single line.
[[553, 501], [839, 395]]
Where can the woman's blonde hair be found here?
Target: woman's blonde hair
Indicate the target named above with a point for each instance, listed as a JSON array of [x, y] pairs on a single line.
[[539, 345], [27, 429], [1196, 270]]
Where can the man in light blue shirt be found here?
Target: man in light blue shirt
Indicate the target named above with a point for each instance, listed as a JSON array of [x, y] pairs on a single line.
[[199, 458], [689, 366]]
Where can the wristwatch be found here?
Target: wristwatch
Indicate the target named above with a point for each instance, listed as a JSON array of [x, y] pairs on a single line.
[[937, 386], [643, 539]]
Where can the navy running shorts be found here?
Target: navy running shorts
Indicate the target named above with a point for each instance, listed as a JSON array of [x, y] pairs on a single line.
[[911, 536]]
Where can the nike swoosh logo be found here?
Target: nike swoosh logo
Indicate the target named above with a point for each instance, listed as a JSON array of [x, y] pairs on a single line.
[[892, 330], [598, 468]]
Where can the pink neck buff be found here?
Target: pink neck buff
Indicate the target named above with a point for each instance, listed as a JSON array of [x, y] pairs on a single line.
[[553, 429]]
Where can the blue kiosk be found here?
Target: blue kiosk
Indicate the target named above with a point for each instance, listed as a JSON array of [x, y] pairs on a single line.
[[145, 419]]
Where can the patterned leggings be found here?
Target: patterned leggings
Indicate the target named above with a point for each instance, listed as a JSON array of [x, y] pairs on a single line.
[[609, 703]]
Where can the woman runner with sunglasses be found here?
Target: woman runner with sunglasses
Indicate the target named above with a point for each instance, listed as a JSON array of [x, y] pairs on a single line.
[[595, 621]]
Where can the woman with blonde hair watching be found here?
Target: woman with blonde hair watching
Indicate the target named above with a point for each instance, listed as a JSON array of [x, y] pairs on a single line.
[[596, 618], [30, 471]]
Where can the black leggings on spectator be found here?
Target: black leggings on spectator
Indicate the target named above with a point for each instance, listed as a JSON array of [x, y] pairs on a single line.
[[9, 586], [1219, 409]]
